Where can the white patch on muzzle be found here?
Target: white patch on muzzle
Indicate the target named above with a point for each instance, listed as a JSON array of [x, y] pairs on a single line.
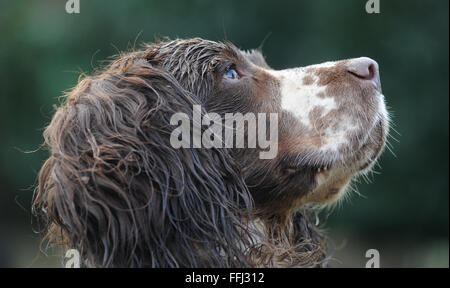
[[300, 99]]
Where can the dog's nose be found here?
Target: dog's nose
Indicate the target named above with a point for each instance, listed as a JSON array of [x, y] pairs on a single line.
[[364, 68]]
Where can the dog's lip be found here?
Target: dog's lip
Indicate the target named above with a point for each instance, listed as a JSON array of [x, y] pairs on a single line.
[[358, 165], [350, 166], [329, 185]]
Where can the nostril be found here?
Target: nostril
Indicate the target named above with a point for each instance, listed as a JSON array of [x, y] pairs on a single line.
[[363, 68], [367, 75], [371, 72]]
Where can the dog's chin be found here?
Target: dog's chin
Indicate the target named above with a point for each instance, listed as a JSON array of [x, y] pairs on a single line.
[[332, 181]]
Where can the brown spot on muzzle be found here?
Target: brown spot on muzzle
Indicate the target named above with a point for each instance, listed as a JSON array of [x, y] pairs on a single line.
[[329, 74], [321, 95], [308, 80]]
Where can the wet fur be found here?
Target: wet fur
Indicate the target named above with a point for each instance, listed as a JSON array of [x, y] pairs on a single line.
[[114, 189]]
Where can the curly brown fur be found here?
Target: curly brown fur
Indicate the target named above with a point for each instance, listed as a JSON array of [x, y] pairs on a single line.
[[114, 188]]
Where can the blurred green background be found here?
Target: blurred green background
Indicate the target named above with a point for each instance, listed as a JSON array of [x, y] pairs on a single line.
[[404, 211]]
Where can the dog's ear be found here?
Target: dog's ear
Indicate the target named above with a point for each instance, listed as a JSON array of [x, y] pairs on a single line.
[[117, 191]]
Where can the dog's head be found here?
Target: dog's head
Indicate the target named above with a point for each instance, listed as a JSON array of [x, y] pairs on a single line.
[[115, 188], [332, 119]]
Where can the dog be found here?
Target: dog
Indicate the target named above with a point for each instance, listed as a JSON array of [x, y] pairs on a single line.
[[115, 189]]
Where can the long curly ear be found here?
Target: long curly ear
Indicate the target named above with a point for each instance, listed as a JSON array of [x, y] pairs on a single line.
[[116, 190]]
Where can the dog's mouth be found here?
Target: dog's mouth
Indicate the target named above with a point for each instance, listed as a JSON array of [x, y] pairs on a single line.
[[332, 180]]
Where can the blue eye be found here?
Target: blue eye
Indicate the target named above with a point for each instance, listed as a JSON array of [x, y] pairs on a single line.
[[231, 74]]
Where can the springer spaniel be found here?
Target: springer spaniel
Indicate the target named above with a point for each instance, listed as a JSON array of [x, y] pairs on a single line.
[[116, 189]]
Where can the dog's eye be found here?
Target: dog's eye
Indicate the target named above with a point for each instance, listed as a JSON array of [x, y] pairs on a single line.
[[231, 74]]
